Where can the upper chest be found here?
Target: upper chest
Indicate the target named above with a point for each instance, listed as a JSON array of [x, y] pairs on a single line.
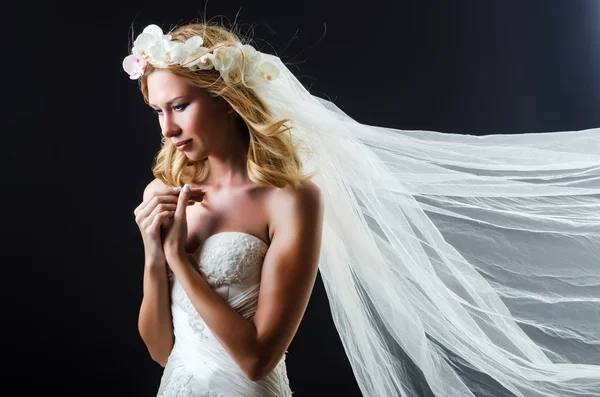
[[243, 210]]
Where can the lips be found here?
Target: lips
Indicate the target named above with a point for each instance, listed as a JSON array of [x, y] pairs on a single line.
[[179, 144]]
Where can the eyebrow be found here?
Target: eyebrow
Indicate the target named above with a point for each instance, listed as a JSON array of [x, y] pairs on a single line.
[[168, 102]]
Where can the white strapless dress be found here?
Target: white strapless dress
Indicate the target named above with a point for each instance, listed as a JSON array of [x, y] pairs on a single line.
[[199, 366]]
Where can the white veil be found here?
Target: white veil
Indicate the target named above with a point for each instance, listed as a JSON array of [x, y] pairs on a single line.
[[456, 265]]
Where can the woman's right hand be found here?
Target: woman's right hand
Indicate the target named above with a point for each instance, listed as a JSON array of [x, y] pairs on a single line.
[[155, 211]]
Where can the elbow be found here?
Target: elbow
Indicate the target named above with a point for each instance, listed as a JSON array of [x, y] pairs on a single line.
[[159, 352], [254, 371], [160, 359], [255, 374], [161, 356], [260, 368]]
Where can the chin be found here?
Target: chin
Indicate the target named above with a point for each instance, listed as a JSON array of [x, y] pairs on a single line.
[[196, 157]]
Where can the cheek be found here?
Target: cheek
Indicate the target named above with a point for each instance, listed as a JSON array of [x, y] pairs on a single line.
[[203, 121], [191, 123], [188, 119], [207, 125]]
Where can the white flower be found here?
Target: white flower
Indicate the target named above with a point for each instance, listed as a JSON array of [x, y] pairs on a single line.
[[199, 62], [165, 53], [193, 42], [225, 58], [252, 58], [233, 74], [194, 54], [156, 31], [174, 53], [193, 47], [228, 61], [150, 36], [205, 62], [268, 71], [142, 46]]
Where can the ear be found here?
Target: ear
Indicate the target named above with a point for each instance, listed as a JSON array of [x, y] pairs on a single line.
[[228, 108], [218, 98]]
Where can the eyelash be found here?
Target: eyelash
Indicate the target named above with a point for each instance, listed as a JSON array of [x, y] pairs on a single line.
[[178, 108]]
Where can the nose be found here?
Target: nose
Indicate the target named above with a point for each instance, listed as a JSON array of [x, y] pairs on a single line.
[[169, 127]]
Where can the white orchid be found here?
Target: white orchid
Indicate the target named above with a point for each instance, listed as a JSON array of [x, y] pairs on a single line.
[[194, 54], [150, 36], [156, 31], [226, 58], [165, 53], [268, 71], [193, 42], [228, 61], [253, 59], [155, 48]]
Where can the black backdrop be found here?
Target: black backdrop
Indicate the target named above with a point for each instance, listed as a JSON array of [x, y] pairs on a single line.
[[78, 142]]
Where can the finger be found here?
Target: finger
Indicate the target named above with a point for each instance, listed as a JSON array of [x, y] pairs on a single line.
[[161, 193], [196, 194], [161, 208], [184, 197], [168, 190], [160, 219], [153, 198], [146, 209]]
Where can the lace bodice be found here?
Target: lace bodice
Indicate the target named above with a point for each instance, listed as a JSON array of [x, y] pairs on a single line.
[[230, 257], [231, 263]]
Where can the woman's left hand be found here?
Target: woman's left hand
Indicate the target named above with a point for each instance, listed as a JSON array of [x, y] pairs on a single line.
[[175, 236]]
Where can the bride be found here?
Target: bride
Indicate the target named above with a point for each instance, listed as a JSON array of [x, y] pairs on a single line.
[[465, 255]]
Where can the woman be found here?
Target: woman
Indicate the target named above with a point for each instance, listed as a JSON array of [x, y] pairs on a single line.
[[454, 265], [255, 231]]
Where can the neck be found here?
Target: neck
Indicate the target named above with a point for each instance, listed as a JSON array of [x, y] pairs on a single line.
[[227, 163]]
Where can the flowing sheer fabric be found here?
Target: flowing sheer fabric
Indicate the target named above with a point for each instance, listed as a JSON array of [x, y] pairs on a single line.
[[456, 265]]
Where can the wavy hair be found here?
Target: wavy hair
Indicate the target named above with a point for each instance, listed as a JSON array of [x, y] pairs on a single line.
[[273, 154]]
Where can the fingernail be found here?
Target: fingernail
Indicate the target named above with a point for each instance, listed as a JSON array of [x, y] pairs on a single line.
[[186, 188], [176, 189]]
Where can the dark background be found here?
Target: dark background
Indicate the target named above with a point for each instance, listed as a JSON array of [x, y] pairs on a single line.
[[78, 143]]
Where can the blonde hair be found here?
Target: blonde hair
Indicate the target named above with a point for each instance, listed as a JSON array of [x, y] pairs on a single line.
[[273, 154]]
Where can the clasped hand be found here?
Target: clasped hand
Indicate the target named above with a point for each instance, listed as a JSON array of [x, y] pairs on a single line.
[[175, 234]]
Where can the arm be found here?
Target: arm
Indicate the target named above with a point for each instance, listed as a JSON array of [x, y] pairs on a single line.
[[155, 323], [288, 275]]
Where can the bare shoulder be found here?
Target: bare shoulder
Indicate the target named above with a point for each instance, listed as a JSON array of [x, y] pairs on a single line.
[[308, 195], [288, 206], [154, 185], [308, 191]]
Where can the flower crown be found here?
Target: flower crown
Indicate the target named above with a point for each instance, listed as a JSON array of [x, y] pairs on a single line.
[[155, 48]]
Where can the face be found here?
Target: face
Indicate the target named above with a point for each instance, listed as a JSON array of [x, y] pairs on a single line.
[[186, 112]]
